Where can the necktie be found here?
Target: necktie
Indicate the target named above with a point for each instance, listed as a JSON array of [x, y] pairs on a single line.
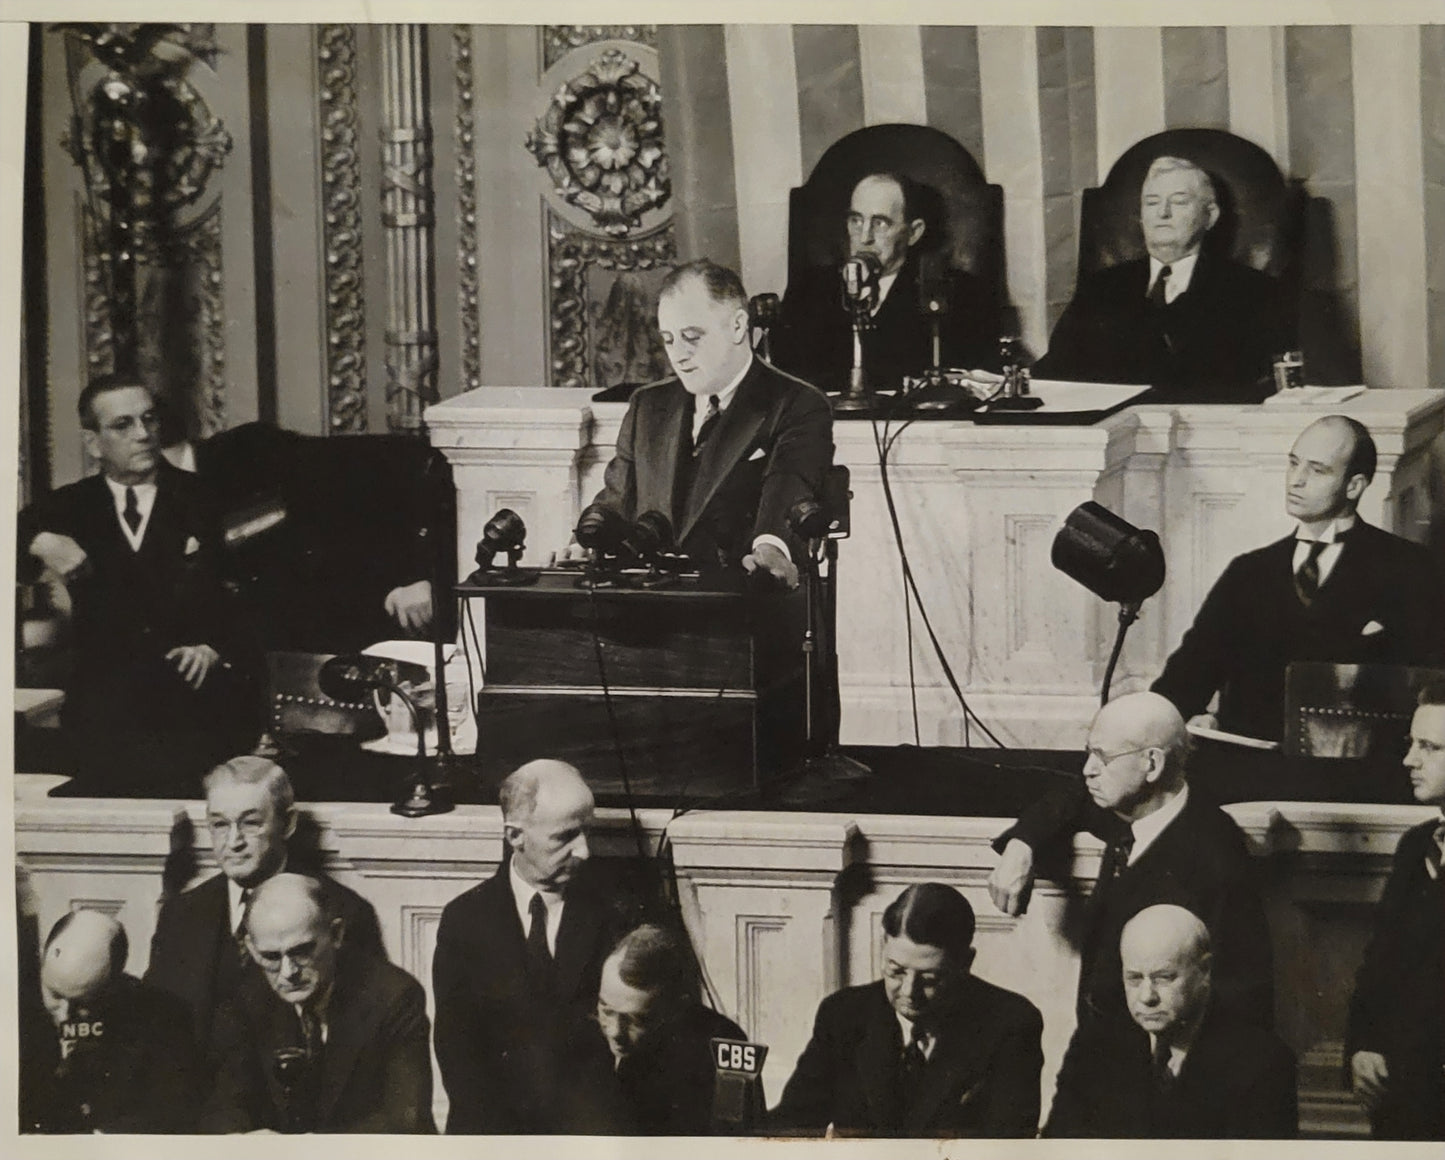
[[709, 422], [310, 1032], [539, 957], [911, 1063], [1435, 852], [1156, 291], [132, 511], [1164, 1079], [1307, 579], [1115, 861], [243, 954]]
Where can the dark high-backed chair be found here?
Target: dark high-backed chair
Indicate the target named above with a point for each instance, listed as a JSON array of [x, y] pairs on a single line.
[[964, 219], [1261, 213]]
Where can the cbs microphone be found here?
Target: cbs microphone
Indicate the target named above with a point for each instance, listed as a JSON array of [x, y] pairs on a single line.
[[737, 1086]]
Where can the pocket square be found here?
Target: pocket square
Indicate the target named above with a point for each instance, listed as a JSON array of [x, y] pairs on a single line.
[[193, 545], [1372, 629], [758, 454]]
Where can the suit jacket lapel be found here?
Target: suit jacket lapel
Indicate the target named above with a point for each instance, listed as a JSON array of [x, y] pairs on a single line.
[[951, 1068], [656, 461], [877, 1061], [578, 932], [736, 430], [348, 1026]]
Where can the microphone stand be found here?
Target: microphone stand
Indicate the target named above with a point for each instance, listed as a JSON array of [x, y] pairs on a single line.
[[825, 772], [858, 398]]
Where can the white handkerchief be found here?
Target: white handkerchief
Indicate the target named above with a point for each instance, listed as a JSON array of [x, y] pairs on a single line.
[[1372, 628], [758, 454], [193, 546]]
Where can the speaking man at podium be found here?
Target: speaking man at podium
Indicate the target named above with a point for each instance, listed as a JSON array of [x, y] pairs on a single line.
[[728, 445]]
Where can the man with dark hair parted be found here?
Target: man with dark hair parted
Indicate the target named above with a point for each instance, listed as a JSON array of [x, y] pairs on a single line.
[[929, 1049], [1336, 589], [888, 225], [159, 689]]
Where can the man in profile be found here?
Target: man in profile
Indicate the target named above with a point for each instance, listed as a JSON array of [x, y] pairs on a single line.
[[728, 445], [1164, 843], [656, 1076], [117, 1055], [886, 226], [324, 1041], [1181, 1069], [1185, 319], [199, 949], [518, 962], [928, 1050], [1336, 589], [1395, 1042], [158, 690]]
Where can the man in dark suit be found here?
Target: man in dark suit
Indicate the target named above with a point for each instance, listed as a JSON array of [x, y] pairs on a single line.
[[1182, 1069], [116, 1055], [1187, 320], [928, 1050], [1165, 844], [814, 338], [1395, 1044], [517, 965], [1335, 590], [327, 1041], [159, 687], [652, 1064], [726, 447], [198, 951]]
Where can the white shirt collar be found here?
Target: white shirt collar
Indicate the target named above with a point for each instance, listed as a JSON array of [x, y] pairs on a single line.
[[1150, 826], [522, 892], [1180, 274], [1329, 554], [1337, 526], [234, 893], [145, 500], [926, 1039], [724, 397]]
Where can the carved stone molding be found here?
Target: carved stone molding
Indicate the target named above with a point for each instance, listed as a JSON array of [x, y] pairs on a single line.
[[560, 39], [341, 230], [598, 340], [99, 333], [468, 285], [211, 400]]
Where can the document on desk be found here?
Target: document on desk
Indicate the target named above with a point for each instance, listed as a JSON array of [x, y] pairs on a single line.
[[1238, 739], [1068, 404]]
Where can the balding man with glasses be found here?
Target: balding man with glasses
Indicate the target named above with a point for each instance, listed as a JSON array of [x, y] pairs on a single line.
[[1165, 844]]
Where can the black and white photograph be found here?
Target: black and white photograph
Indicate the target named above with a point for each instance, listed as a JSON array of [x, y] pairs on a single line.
[[767, 580]]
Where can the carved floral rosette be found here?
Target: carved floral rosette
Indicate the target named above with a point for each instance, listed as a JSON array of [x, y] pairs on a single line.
[[600, 141]]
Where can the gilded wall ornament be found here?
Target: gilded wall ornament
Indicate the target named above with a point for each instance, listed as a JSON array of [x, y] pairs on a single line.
[[560, 39], [600, 141]]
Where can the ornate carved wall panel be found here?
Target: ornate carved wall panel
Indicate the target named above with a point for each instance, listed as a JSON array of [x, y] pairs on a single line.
[[608, 217], [345, 311], [464, 129], [145, 137]]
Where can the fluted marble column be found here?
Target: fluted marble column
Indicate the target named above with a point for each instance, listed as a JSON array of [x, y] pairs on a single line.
[[407, 217]]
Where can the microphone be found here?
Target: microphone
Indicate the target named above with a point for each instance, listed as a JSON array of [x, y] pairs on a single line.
[[808, 519], [860, 279], [650, 536], [504, 532], [601, 529], [763, 311]]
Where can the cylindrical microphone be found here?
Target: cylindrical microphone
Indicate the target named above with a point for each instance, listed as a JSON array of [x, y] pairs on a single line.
[[1108, 555], [350, 678], [504, 532], [601, 529], [763, 311], [860, 276], [808, 519], [650, 536]]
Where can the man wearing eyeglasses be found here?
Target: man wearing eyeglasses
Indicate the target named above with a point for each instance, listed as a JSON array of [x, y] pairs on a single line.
[[198, 952], [157, 688], [1165, 844], [325, 1040]]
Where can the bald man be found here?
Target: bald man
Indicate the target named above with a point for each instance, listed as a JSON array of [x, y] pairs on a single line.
[[886, 221], [324, 1040], [1184, 318], [1182, 1069], [117, 1055], [518, 962], [1164, 843], [1335, 589]]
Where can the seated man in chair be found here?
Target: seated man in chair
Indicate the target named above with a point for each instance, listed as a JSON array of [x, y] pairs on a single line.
[[886, 223], [1191, 322]]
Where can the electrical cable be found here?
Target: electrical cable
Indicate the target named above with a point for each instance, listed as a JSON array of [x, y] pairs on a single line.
[[637, 832], [883, 449]]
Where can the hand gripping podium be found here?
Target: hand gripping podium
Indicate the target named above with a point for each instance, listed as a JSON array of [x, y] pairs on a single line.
[[699, 685]]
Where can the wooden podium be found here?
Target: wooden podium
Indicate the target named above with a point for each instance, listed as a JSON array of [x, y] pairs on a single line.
[[696, 687]]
